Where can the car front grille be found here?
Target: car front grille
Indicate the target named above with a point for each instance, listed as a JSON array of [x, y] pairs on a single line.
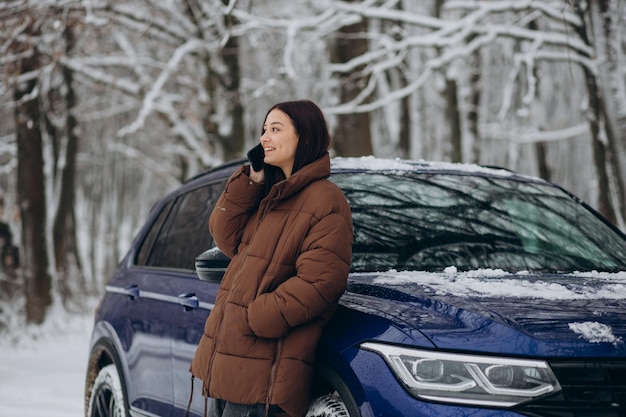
[[590, 389]]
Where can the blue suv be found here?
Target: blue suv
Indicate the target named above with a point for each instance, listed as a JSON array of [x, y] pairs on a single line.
[[473, 292]]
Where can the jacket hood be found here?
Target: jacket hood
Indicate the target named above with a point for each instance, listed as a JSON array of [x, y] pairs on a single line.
[[316, 170], [495, 312]]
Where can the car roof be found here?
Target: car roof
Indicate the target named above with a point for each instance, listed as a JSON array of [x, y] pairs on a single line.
[[388, 165], [370, 163]]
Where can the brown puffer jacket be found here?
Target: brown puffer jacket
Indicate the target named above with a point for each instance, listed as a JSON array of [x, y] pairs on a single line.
[[290, 258]]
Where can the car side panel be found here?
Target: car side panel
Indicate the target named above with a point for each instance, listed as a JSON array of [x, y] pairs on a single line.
[[186, 332], [141, 313]]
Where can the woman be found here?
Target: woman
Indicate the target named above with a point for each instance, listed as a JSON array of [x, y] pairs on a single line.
[[290, 245]]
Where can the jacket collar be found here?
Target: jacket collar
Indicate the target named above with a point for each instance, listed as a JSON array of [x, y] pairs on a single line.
[[316, 170]]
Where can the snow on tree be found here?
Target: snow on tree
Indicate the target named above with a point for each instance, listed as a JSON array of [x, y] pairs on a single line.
[[123, 100]]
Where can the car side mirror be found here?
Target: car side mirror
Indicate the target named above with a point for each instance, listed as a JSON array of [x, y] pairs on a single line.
[[211, 265]]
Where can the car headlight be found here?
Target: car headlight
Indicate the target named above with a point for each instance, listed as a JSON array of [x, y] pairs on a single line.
[[468, 379]]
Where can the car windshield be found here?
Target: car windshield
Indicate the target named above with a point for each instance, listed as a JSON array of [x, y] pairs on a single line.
[[428, 222]]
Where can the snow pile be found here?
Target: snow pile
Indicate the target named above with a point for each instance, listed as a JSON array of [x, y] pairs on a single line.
[[370, 162], [498, 283], [326, 406], [42, 368], [595, 332], [59, 324]]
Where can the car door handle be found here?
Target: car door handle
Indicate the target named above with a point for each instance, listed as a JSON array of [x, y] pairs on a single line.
[[188, 301], [132, 291]]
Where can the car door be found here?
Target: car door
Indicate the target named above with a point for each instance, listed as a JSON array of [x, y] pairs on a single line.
[[164, 262], [139, 315], [199, 301], [197, 298]]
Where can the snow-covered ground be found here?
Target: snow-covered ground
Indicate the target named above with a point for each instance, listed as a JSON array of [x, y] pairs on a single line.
[[42, 368]]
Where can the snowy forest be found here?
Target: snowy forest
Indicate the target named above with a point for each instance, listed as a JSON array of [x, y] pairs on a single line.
[[108, 105]]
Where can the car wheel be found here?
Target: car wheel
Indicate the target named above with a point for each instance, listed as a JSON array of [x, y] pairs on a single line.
[[107, 396], [328, 405]]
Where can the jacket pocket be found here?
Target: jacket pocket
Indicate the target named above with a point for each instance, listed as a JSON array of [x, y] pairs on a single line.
[[238, 339]]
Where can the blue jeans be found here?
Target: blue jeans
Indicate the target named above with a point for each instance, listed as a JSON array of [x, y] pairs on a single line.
[[221, 408]]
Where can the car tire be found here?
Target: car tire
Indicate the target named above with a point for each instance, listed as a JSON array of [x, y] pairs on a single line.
[[107, 395], [328, 405]]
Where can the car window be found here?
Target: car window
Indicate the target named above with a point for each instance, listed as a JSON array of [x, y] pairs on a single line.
[[434, 221], [180, 232], [144, 250]]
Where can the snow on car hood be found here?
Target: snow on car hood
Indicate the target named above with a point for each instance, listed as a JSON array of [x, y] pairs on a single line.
[[498, 283], [580, 314]]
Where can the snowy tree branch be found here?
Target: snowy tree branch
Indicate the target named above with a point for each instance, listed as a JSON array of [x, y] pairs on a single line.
[[145, 161], [101, 77], [499, 133], [148, 103]]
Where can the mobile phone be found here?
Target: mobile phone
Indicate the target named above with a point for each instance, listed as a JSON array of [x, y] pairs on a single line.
[[255, 156]]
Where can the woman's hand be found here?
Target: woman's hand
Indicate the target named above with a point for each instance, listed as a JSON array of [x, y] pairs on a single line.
[[257, 176]]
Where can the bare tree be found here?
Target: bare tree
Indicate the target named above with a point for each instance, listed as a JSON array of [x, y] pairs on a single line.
[[609, 108], [352, 133], [224, 120], [458, 33], [65, 141], [31, 193], [108, 105]]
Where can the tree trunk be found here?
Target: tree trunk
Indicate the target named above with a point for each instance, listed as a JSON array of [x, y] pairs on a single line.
[[222, 82], [31, 196], [538, 109], [64, 228], [612, 89], [450, 95], [542, 161], [597, 119], [352, 135], [454, 121], [404, 143], [233, 143], [473, 118]]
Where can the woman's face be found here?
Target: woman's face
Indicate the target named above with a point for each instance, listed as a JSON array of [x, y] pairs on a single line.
[[279, 141]]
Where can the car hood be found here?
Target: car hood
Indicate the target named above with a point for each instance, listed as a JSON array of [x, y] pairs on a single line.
[[568, 315]]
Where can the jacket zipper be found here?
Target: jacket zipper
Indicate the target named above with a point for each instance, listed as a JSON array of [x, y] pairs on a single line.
[[279, 344], [267, 201], [273, 371]]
